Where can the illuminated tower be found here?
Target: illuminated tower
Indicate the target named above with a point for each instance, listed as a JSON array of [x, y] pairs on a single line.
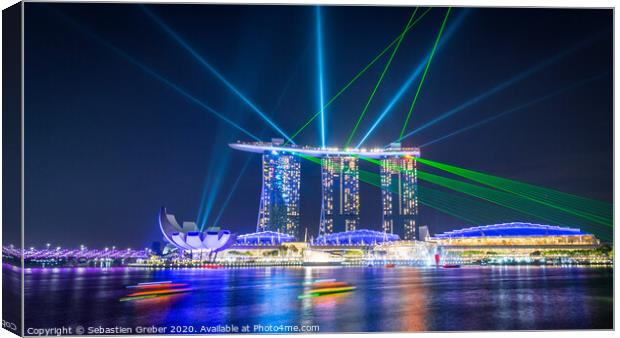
[[399, 195], [279, 202], [340, 207]]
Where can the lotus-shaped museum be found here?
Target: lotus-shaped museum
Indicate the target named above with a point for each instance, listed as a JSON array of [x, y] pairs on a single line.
[[188, 238]]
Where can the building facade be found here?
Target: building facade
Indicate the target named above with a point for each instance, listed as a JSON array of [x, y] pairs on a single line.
[[399, 196], [279, 202], [340, 206]]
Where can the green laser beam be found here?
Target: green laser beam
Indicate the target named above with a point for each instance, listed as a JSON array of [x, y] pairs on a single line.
[[522, 192], [428, 64], [511, 201], [385, 69], [487, 213], [571, 204], [449, 204], [508, 200], [357, 76]]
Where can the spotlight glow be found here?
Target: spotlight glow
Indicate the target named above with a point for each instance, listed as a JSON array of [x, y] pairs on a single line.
[[385, 69], [319, 57], [418, 70], [214, 71], [428, 64], [357, 76], [513, 109], [154, 74], [529, 72], [232, 190]]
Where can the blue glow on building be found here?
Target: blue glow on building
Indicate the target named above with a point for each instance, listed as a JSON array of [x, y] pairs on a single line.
[[356, 237], [264, 238], [515, 229], [279, 203]]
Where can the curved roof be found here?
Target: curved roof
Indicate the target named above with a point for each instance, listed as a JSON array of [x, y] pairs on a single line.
[[261, 147], [265, 237], [187, 237], [356, 237], [515, 229]]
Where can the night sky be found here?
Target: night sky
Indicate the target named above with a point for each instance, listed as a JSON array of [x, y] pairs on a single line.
[[107, 144]]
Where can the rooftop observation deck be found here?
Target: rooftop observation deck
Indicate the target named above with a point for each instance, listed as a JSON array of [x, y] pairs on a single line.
[[277, 145]]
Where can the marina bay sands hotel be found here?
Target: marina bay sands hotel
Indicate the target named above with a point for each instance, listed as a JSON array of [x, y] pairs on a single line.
[[340, 176]]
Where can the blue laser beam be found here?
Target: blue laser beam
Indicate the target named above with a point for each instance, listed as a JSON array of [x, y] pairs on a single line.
[[514, 109], [529, 72], [214, 71], [212, 189], [211, 199], [154, 74], [203, 198], [414, 75], [287, 86], [232, 191], [216, 171], [319, 57]]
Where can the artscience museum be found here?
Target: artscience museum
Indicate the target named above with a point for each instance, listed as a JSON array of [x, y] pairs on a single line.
[[188, 237]]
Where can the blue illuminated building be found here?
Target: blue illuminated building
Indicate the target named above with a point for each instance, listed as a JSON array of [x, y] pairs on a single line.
[[399, 195], [340, 202], [279, 202], [264, 238], [356, 237], [516, 234], [340, 207], [515, 229]]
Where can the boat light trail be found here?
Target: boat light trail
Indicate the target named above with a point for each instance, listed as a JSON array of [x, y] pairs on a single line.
[[428, 64], [521, 76], [385, 69], [401, 91], [319, 58], [214, 71], [513, 109], [357, 76]]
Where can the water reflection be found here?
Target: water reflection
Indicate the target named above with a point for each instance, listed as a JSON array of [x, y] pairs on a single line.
[[398, 299]]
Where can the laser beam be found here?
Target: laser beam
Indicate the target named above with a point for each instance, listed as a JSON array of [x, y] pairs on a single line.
[[319, 58], [357, 76], [514, 109], [154, 74], [428, 64], [516, 201], [447, 207], [521, 76], [214, 71], [231, 191], [385, 69], [414, 75], [585, 208]]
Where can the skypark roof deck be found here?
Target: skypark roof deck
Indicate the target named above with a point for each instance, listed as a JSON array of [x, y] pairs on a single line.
[[278, 146]]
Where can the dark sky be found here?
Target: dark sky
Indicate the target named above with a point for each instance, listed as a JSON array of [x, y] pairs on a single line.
[[107, 143]]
